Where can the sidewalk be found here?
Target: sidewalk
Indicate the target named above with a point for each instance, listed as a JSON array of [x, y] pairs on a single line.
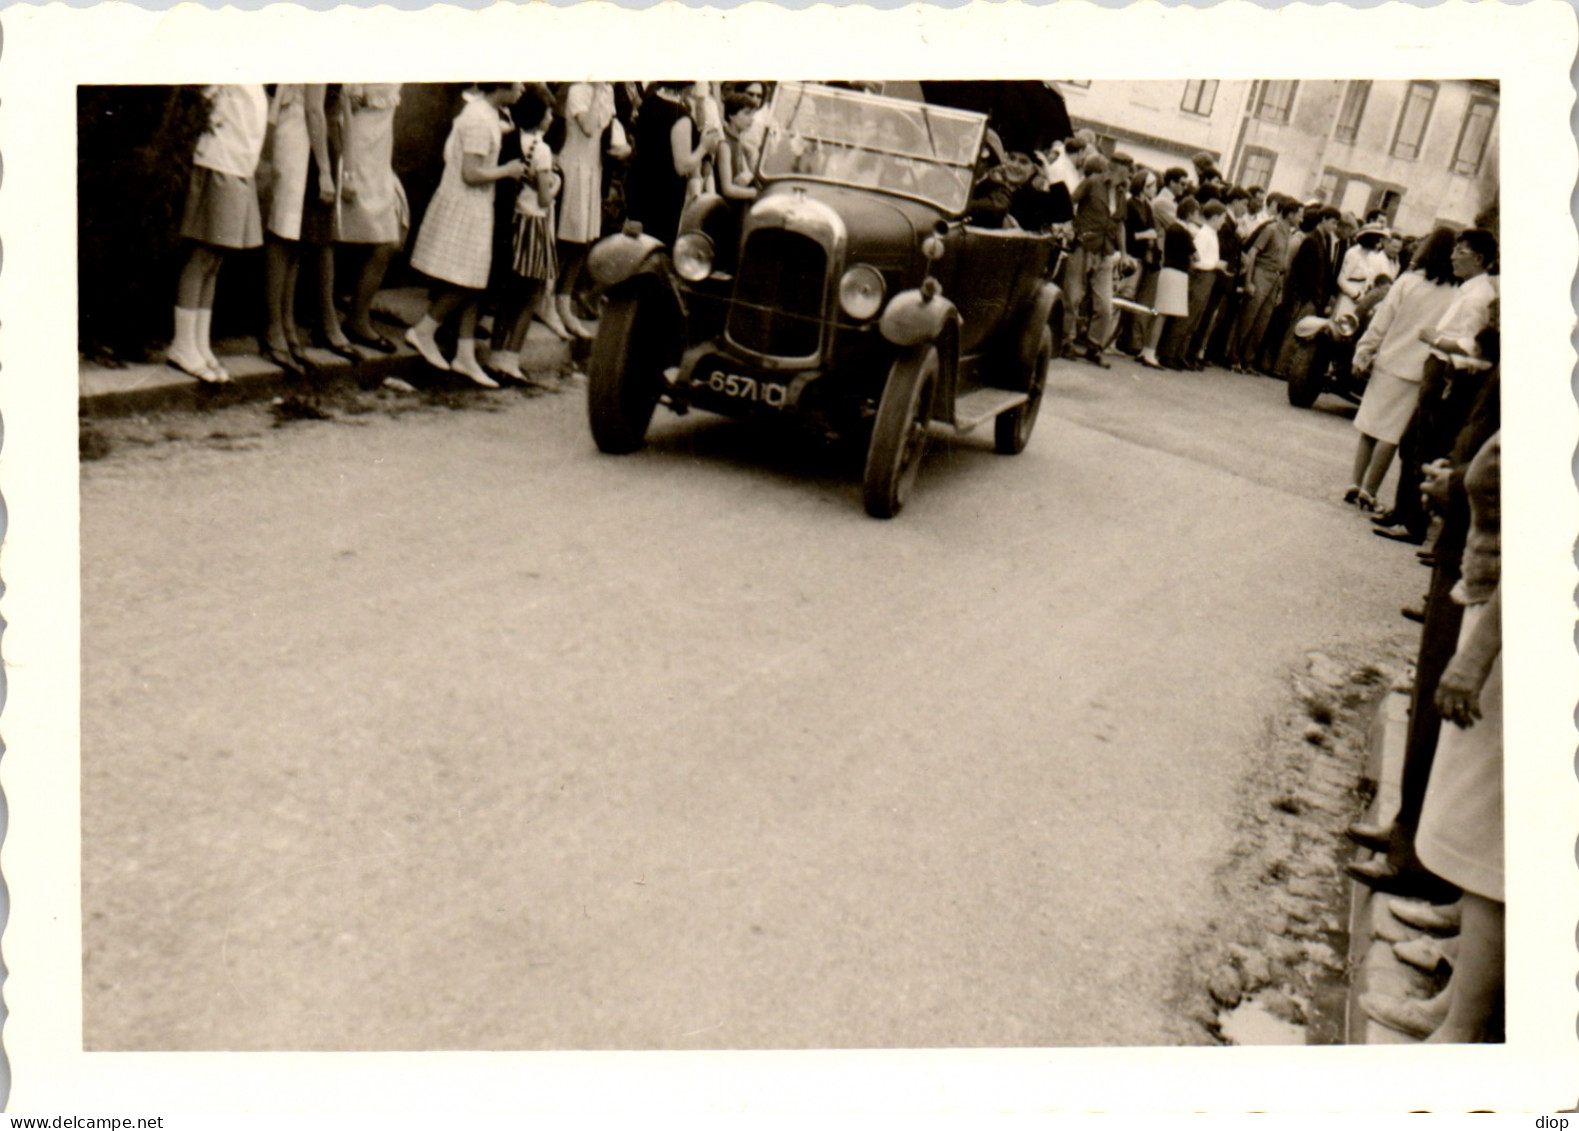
[[154, 386]]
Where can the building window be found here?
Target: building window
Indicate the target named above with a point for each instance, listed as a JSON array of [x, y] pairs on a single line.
[[1474, 136], [1413, 121], [1352, 110], [1275, 100], [1255, 167], [1199, 96], [1330, 190]]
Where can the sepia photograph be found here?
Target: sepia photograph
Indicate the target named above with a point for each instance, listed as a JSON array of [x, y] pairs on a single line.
[[583, 563]]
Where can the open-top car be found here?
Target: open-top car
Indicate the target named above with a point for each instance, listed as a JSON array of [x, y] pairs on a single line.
[[855, 295]]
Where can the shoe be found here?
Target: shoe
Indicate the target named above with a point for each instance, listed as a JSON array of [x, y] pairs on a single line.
[[1381, 877], [1150, 364], [373, 341], [1352, 496], [306, 364], [284, 359], [1366, 501], [1425, 953], [1426, 558], [1382, 518], [1414, 613], [567, 316], [428, 348], [473, 371], [1399, 534], [1442, 919], [198, 369], [1095, 358], [1377, 838], [342, 348], [1407, 1015]]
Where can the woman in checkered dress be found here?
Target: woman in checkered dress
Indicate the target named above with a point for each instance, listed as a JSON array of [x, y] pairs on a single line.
[[455, 244]]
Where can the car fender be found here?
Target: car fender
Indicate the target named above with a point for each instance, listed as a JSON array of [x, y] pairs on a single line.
[[1049, 297], [617, 258], [917, 316]]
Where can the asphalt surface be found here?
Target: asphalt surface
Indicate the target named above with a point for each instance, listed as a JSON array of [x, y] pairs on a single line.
[[437, 729]]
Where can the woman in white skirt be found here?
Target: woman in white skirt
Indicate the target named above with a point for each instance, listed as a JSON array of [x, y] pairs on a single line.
[[221, 215], [589, 111], [1173, 281], [298, 140], [455, 242], [1391, 349]]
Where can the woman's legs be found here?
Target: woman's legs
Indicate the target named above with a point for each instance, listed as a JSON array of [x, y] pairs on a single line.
[[465, 362], [444, 301], [1381, 459], [1148, 352], [1476, 986], [194, 312], [571, 258], [371, 276], [278, 259], [328, 316], [510, 327], [1362, 460]]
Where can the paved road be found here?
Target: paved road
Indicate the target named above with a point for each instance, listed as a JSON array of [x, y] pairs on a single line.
[[439, 730]]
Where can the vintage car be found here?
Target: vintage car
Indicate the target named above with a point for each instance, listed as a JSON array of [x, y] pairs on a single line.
[[854, 296]]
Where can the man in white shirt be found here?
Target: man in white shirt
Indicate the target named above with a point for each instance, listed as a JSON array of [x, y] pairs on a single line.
[[1453, 374]]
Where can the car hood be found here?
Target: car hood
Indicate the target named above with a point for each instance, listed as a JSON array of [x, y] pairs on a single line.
[[884, 231]]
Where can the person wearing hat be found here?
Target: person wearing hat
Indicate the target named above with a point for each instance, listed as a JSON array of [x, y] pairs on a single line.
[[1362, 263]]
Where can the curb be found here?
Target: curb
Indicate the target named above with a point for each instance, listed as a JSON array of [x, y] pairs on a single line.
[[154, 387]]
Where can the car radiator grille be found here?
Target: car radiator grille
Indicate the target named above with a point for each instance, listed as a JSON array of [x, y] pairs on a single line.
[[777, 307]]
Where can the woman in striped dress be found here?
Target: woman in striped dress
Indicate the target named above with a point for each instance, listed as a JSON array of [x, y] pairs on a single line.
[[533, 262], [455, 243]]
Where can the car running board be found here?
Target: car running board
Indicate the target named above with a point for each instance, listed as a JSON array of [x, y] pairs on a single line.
[[982, 405]]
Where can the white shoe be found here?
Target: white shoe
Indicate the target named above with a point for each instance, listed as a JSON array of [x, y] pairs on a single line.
[[428, 348], [1426, 916], [468, 367], [197, 366]]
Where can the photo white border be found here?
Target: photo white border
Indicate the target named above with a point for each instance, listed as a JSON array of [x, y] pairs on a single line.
[[48, 50]]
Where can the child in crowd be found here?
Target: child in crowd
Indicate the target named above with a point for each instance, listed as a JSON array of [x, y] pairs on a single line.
[[533, 264], [221, 215], [455, 243]]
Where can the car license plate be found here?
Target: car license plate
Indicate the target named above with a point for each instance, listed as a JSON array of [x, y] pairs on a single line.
[[770, 393]]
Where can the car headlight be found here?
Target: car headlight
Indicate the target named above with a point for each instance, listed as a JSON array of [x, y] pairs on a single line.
[[693, 257], [861, 292]]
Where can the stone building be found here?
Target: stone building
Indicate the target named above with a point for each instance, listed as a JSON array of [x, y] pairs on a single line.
[[1423, 150]]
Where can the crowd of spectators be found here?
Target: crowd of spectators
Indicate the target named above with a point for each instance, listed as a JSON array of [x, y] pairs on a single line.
[[1434, 348], [533, 175]]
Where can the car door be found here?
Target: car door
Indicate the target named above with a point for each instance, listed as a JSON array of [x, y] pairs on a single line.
[[984, 280]]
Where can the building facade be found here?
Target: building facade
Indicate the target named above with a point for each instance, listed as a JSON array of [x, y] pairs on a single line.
[[1425, 151]]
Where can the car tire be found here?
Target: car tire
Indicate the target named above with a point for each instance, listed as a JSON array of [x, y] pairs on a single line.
[[899, 434], [625, 374], [1305, 376], [1012, 429]]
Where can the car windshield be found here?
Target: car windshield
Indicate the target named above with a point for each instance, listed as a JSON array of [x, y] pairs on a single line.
[[847, 137]]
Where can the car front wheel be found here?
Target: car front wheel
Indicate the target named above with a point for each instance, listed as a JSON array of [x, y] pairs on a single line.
[[1012, 429], [899, 435], [625, 373]]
